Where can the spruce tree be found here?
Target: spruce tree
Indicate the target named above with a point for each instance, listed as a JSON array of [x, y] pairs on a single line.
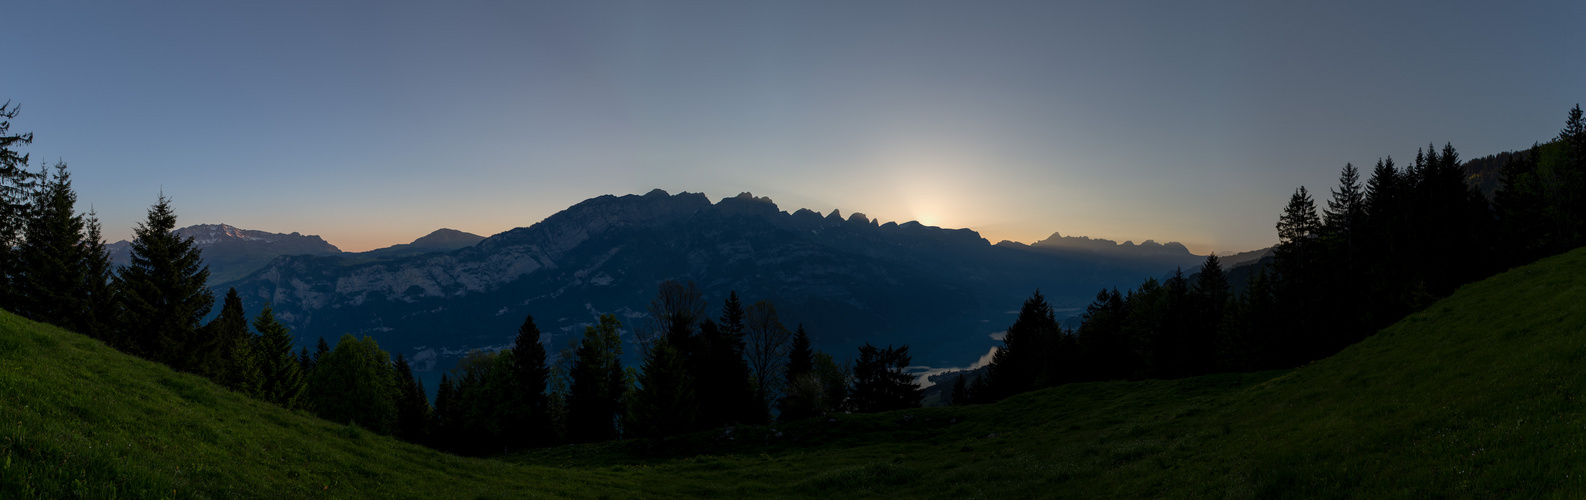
[[16, 186], [530, 374], [1023, 362], [960, 395], [233, 366], [52, 270], [282, 381], [598, 383], [880, 383], [164, 294], [803, 387], [413, 406], [723, 387], [99, 296], [665, 402]]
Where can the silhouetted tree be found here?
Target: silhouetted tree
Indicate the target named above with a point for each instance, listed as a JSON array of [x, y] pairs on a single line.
[[880, 383], [767, 342], [597, 387], [1024, 360], [16, 186], [724, 386], [412, 405], [800, 365], [164, 294], [665, 403], [530, 374]]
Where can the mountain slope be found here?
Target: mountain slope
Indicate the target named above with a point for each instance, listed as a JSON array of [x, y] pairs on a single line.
[[440, 240], [1480, 395], [848, 280]]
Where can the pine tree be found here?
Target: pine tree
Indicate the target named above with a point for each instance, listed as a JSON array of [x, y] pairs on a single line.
[[99, 296], [880, 383], [282, 381], [665, 403], [530, 374], [52, 270], [1024, 361], [233, 366], [413, 406], [16, 185], [723, 386], [800, 359], [598, 383], [164, 294], [444, 417], [960, 395]]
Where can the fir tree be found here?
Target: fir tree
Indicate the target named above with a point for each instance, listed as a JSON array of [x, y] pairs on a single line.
[[413, 406], [16, 185], [282, 380], [99, 296], [234, 365], [164, 294], [665, 403], [52, 269], [598, 383], [1024, 360], [880, 383], [960, 395], [530, 375], [800, 380], [723, 385]]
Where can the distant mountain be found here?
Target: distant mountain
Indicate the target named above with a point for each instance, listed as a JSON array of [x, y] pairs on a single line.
[[848, 280], [441, 240], [1170, 255], [233, 253]]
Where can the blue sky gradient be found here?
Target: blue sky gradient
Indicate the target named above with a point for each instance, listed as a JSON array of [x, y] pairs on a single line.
[[374, 123]]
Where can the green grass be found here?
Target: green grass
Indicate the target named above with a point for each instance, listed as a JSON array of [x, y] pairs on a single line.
[[1480, 395]]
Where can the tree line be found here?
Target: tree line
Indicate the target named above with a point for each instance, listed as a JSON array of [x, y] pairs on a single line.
[[744, 367], [1379, 250]]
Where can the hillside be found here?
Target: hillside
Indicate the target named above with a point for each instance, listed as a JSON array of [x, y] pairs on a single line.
[[1479, 395]]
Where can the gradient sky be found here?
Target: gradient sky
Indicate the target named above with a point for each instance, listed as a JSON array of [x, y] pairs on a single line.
[[374, 123]]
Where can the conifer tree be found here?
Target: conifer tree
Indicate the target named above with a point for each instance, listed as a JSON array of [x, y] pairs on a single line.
[[282, 380], [445, 416], [880, 383], [1023, 361], [413, 406], [99, 296], [723, 386], [16, 186], [598, 383], [164, 294], [800, 359], [960, 395], [530, 375], [233, 365], [665, 403], [51, 258]]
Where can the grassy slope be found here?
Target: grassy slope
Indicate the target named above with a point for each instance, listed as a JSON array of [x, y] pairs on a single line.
[[1479, 395]]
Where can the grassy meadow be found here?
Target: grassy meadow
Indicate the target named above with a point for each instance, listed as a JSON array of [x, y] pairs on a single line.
[[1479, 395]]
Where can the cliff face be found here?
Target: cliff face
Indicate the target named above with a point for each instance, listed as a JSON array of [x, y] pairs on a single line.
[[848, 280]]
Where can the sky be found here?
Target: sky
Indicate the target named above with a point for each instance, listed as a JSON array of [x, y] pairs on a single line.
[[374, 123]]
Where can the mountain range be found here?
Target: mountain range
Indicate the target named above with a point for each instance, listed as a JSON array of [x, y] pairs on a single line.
[[232, 253], [847, 280]]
